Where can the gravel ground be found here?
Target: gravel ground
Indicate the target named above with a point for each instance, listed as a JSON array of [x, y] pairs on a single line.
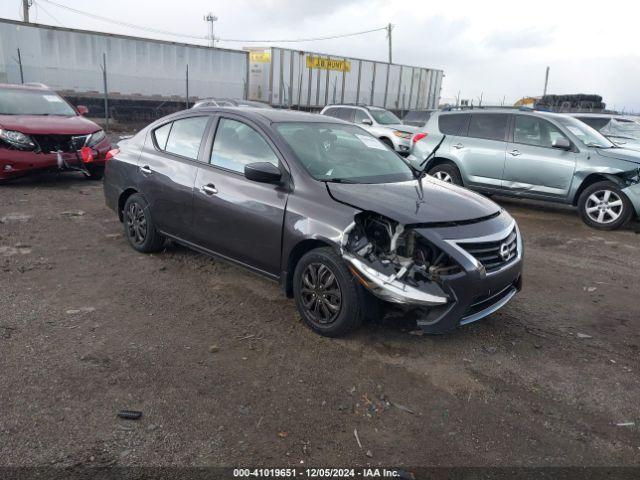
[[225, 373]]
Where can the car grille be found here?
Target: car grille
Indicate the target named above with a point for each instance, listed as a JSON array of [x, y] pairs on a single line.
[[494, 255], [65, 143]]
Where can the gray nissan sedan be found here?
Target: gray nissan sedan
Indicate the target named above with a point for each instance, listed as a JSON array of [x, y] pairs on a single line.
[[339, 219]]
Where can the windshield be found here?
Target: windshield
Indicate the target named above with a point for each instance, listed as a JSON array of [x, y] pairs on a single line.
[[587, 135], [343, 153], [33, 102], [384, 117], [622, 129]]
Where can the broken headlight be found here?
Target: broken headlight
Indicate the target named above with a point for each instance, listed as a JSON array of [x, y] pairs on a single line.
[[17, 139], [396, 264], [96, 138]]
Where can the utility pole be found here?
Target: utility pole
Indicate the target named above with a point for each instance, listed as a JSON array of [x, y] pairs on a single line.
[[106, 92], [26, 4], [186, 80], [389, 29], [546, 82], [20, 65], [210, 17]]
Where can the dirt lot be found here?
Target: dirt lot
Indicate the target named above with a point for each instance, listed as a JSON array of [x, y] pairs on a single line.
[[226, 374]]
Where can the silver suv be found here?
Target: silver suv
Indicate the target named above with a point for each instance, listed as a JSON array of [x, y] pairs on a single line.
[[537, 155], [378, 122]]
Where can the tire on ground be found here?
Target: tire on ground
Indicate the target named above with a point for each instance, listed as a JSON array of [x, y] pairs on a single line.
[[153, 240], [450, 169], [627, 206], [351, 311]]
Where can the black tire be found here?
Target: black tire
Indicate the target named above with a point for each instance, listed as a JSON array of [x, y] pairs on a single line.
[[604, 206], [447, 172], [139, 228], [350, 313], [95, 173]]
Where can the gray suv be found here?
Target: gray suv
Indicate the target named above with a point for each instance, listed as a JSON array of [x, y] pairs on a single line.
[[537, 155], [379, 122]]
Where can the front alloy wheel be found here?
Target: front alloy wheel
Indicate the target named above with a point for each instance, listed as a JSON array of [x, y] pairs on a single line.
[[329, 299], [604, 205], [321, 295]]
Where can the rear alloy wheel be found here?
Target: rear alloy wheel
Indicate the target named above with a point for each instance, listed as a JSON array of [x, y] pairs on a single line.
[[326, 293], [447, 173], [139, 227], [604, 206]]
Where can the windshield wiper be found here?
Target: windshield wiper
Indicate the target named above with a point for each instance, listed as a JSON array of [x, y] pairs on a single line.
[[338, 180], [424, 163]]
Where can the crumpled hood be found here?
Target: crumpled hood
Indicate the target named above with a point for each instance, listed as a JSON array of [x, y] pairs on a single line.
[[619, 154], [48, 124], [403, 202]]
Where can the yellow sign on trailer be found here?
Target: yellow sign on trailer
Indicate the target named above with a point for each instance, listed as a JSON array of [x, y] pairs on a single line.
[[325, 63], [259, 57]]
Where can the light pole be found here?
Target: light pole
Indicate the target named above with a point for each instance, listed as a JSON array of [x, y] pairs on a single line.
[[210, 17]]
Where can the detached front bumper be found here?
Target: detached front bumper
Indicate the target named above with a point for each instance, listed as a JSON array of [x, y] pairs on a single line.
[[17, 163]]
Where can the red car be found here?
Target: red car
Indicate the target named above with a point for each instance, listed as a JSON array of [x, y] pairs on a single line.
[[40, 131]]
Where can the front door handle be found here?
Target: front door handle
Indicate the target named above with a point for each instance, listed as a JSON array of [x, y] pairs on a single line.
[[458, 146], [515, 153], [146, 170], [209, 189]]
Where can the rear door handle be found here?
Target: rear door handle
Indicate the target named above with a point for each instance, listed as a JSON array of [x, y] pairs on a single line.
[[209, 189], [146, 170], [458, 146], [515, 153]]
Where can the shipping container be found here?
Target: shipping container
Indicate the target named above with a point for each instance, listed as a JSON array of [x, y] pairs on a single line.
[[300, 79], [71, 60]]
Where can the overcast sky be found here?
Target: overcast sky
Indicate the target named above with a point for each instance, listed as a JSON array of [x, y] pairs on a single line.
[[495, 48]]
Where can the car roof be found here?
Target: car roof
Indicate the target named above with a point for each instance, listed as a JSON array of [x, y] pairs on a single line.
[[25, 86], [268, 115], [604, 115], [504, 110]]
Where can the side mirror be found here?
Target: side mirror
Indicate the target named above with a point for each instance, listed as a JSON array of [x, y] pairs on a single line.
[[367, 121], [561, 143], [263, 172], [82, 109]]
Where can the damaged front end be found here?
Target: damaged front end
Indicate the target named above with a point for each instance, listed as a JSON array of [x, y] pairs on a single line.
[[394, 262], [631, 188]]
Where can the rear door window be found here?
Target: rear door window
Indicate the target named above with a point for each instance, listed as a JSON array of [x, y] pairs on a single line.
[[185, 137], [331, 112], [346, 114], [452, 124], [490, 126]]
